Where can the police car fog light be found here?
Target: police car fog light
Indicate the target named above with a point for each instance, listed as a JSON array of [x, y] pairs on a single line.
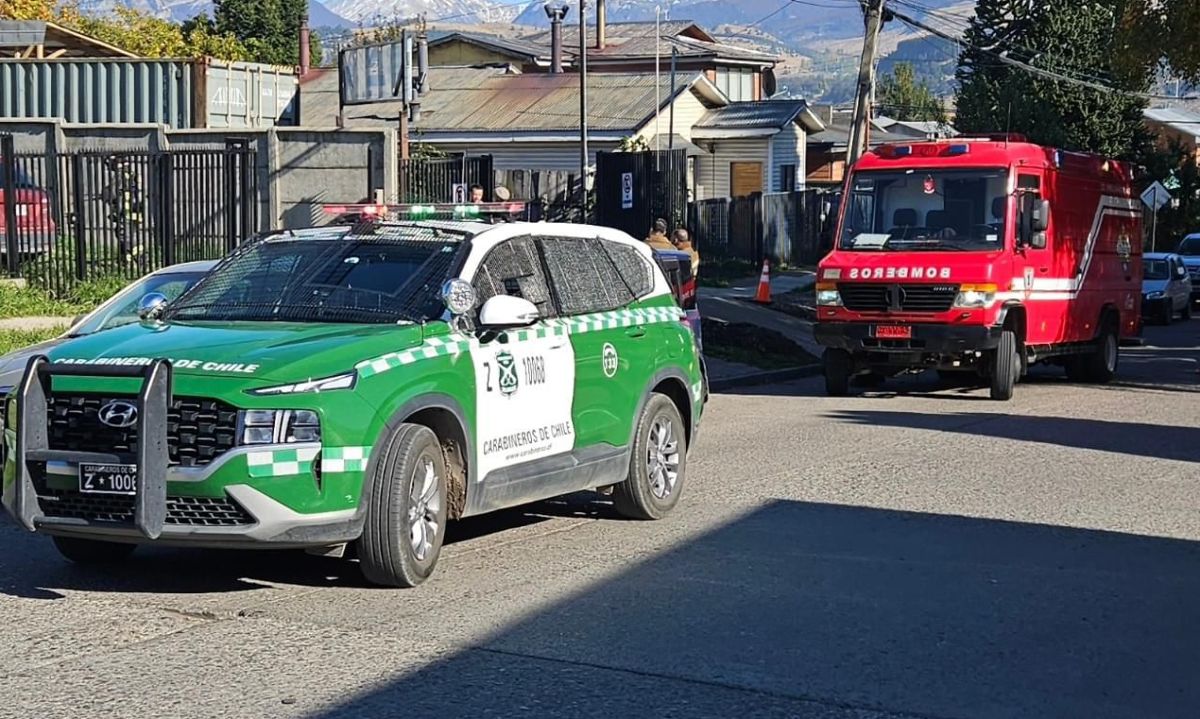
[[280, 426], [341, 381]]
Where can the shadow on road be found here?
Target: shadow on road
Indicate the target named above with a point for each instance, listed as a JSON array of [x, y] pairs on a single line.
[[33, 569], [802, 609], [1144, 440]]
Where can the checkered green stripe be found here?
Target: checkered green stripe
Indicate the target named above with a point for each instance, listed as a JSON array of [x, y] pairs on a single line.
[[288, 462], [281, 462], [456, 343], [432, 347], [345, 459]]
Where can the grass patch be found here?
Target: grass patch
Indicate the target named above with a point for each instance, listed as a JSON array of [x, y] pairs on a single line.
[[722, 273], [16, 339], [752, 345], [33, 302]]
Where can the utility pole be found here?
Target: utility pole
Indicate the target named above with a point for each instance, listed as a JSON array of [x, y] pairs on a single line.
[[583, 111], [859, 126]]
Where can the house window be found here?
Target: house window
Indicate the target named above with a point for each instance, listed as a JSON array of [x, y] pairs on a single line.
[[736, 82], [787, 178]]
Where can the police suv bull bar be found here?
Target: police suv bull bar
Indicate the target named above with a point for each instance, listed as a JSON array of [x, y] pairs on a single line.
[[33, 446]]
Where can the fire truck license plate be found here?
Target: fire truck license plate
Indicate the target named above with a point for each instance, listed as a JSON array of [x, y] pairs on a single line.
[[893, 332], [108, 478]]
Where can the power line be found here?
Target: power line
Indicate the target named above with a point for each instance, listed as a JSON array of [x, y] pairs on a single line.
[[1048, 74]]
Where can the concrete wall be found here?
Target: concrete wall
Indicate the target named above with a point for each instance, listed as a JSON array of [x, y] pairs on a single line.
[[297, 169]]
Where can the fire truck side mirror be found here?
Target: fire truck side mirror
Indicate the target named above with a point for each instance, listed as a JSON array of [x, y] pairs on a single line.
[[1041, 216]]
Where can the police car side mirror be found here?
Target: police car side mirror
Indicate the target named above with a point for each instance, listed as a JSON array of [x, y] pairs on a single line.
[[151, 304], [504, 312]]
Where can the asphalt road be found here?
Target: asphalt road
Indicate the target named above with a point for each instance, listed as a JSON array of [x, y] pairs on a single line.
[[919, 551]]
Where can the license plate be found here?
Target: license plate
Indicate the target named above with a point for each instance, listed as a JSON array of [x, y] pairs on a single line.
[[108, 478], [893, 332]]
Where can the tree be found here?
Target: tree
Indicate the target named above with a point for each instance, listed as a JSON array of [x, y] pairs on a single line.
[[1071, 38], [270, 29], [903, 97], [1174, 165]]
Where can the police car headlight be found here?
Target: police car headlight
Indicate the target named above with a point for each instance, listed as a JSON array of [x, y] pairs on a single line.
[[975, 296], [341, 381], [280, 426], [828, 295]]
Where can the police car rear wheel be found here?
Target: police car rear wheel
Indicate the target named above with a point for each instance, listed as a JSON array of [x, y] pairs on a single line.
[[91, 551], [657, 467], [406, 510]]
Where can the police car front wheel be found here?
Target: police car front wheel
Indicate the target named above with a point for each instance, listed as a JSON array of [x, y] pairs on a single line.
[[406, 510], [657, 467]]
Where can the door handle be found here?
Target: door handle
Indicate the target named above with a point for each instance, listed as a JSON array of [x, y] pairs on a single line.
[[638, 331]]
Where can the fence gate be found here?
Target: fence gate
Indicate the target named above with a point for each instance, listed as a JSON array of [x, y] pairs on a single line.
[[635, 188], [433, 179], [87, 215]]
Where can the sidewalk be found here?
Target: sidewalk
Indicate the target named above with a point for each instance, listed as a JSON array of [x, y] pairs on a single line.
[[735, 304]]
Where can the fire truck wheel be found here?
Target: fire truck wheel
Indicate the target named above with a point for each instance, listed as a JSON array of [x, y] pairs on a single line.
[[1005, 367], [1100, 366], [838, 367]]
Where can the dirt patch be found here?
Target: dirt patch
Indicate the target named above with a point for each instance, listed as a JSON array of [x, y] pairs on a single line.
[[752, 345]]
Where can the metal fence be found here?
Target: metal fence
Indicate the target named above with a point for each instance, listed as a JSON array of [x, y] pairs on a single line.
[[788, 227], [436, 179], [72, 217]]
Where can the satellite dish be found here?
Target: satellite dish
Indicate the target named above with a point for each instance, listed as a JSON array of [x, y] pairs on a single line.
[[769, 84]]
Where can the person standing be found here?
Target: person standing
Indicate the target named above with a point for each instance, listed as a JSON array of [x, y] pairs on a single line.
[[683, 243], [657, 239]]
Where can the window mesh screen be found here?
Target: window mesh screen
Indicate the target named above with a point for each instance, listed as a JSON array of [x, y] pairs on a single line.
[[585, 279], [634, 269], [513, 269]]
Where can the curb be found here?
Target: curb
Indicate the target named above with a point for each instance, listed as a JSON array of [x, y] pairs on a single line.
[[757, 378]]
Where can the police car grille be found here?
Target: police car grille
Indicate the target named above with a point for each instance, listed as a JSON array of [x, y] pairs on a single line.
[[868, 297], [198, 430], [181, 511]]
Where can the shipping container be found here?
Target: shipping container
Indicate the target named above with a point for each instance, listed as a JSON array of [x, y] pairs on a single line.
[[182, 94]]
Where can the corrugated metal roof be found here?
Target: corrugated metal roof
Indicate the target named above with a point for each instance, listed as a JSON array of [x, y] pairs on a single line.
[[489, 99], [640, 40], [516, 46], [1177, 118], [771, 114]]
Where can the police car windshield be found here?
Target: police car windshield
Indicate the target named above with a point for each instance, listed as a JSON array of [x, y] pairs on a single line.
[[391, 276], [909, 210]]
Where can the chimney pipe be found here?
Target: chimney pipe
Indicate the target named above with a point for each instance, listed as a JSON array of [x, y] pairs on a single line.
[[304, 47], [601, 25], [556, 13]]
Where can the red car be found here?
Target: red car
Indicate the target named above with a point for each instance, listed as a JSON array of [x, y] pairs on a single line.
[[31, 212]]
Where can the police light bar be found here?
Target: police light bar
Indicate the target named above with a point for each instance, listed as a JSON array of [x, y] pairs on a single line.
[[419, 211]]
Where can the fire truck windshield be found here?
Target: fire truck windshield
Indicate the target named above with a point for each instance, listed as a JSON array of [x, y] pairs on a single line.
[[913, 210]]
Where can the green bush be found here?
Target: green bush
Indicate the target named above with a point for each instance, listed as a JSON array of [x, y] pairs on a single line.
[[16, 339], [33, 302]]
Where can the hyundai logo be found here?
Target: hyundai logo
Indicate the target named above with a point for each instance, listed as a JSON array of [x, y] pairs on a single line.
[[118, 413]]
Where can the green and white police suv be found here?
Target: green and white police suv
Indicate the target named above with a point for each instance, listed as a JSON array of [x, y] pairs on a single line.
[[363, 385]]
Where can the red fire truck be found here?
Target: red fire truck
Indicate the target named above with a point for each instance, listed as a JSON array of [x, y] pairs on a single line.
[[980, 255]]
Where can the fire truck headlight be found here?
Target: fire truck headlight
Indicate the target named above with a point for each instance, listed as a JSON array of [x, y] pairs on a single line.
[[828, 295], [975, 296]]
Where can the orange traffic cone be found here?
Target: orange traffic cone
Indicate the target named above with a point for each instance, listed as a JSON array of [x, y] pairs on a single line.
[[763, 296]]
